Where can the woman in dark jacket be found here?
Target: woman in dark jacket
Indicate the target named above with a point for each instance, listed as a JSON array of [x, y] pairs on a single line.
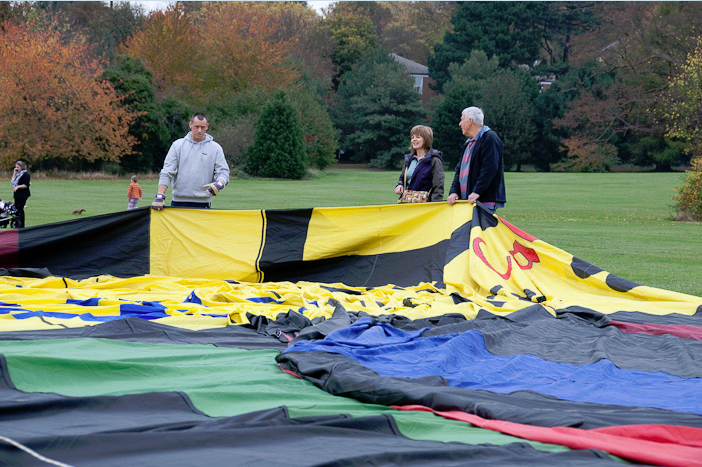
[[20, 186], [424, 166]]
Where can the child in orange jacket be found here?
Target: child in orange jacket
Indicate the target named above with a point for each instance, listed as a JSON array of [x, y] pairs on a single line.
[[134, 193]]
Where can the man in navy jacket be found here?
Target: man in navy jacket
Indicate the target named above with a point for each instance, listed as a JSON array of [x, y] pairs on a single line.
[[480, 171]]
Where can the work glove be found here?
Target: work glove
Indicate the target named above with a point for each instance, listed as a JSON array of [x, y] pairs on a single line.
[[159, 201], [213, 188]]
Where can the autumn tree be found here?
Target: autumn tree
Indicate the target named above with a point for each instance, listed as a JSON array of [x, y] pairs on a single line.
[[412, 29], [590, 121], [583, 155], [620, 67], [688, 198], [243, 51], [170, 46], [55, 108], [683, 120], [311, 45], [234, 56], [353, 32], [683, 103], [221, 49], [14, 12]]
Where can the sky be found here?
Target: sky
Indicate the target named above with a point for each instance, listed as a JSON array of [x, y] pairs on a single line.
[[153, 5], [161, 5]]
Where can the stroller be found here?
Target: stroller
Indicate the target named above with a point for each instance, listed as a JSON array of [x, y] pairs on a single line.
[[8, 215]]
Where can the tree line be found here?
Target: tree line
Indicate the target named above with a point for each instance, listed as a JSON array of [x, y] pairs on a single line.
[[570, 86]]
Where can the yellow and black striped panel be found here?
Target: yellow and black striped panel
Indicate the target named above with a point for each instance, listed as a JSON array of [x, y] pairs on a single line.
[[485, 260], [512, 269], [360, 246], [211, 268], [206, 243], [116, 243], [371, 246]]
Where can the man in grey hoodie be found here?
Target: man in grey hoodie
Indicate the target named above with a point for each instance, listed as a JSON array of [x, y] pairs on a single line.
[[195, 168]]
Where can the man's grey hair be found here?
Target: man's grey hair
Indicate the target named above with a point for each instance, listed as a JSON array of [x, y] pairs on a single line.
[[475, 113]]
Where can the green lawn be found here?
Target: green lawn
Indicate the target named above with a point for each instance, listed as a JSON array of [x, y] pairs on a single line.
[[620, 222]]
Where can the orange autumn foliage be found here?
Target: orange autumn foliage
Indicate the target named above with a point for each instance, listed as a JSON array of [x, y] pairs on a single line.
[[224, 47], [169, 45], [53, 102], [240, 37]]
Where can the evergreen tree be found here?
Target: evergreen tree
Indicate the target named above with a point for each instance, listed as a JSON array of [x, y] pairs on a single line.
[[461, 91], [375, 109], [511, 112], [134, 83], [319, 134], [278, 148], [507, 30], [547, 148], [507, 98], [518, 33]]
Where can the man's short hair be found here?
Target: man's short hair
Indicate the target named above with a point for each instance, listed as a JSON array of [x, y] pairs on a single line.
[[475, 113], [199, 116]]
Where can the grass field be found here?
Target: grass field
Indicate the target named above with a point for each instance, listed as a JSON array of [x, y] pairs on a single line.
[[620, 222]]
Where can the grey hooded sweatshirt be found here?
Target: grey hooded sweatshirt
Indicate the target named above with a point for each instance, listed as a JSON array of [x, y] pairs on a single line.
[[190, 165]]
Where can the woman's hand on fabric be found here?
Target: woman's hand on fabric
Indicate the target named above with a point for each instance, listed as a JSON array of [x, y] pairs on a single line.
[[399, 189]]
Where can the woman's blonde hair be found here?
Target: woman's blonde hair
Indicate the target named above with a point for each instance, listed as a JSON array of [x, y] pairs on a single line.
[[423, 132]]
